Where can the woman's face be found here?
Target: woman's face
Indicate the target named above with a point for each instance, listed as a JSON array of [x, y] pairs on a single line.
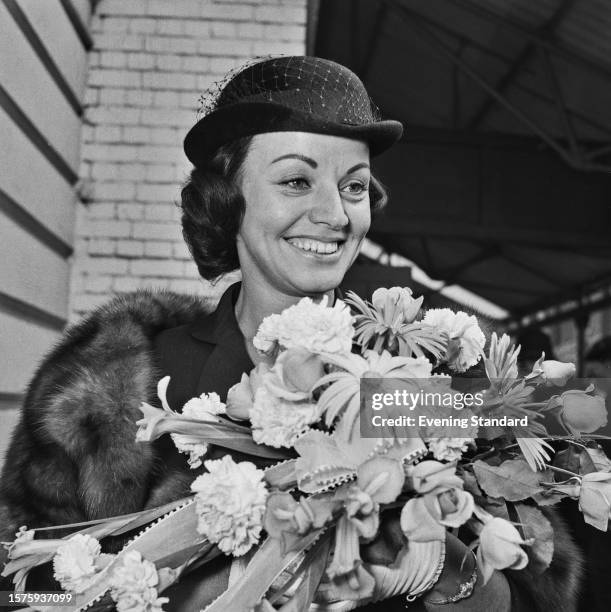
[[307, 210]]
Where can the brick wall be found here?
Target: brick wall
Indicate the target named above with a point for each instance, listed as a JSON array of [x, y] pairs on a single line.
[[151, 61]]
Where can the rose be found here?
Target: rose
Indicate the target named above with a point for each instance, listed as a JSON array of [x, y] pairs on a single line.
[[595, 499], [432, 476], [396, 299], [241, 396], [582, 412], [500, 547], [557, 372], [300, 370]]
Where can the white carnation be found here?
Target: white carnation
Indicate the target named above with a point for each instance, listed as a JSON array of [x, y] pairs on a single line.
[[206, 407], [317, 328], [230, 501], [74, 564], [278, 422], [466, 338], [448, 449], [133, 585]]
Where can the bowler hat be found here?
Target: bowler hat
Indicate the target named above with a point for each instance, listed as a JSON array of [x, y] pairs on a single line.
[[291, 94]]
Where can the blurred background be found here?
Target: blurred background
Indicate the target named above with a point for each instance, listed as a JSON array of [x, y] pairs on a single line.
[[500, 189]]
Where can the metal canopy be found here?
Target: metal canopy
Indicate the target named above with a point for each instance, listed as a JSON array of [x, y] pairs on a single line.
[[502, 183]]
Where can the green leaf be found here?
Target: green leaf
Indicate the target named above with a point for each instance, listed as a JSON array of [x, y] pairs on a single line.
[[535, 525], [513, 480]]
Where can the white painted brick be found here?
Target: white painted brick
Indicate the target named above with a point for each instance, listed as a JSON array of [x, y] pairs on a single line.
[[91, 96], [136, 134], [157, 231], [113, 115], [86, 302], [104, 171], [132, 172], [115, 191], [139, 97], [109, 229], [277, 48], [222, 65], [122, 7], [166, 136], [233, 12], [224, 29], [155, 267], [160, 192], [112, 59], [114, 78], [169, 99], [160, 173], [170, 44], [195, 63], [231, 48], [168, 80], [101, 210], [109, 152], [158, 249], [114, 42], [131, 211], [281, 14], [170, 27], [167, 117], [160, 212], [169, 8], [143, 25], [125, 284], [189, 100], [285, 32], [141, 61], [169, 62], [105, 265], [114, 24], [156, 154], [155, 284], [188, 286], [98, 284], [107, 133], [198, 28], [130, 248], [110, 96], [250, 30], [181, 251], [101, 246]]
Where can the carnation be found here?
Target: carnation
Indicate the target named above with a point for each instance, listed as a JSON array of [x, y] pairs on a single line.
[[466, 338], [230, 501], [203, 408], [279, 422], [313, 326], [132, 585], [74, 565], [448, 449]]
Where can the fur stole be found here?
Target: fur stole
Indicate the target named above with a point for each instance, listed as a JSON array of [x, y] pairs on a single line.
[[73, 455]]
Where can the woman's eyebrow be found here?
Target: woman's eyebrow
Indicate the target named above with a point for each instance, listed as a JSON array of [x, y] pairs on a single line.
[[303, 158], [357, 167]]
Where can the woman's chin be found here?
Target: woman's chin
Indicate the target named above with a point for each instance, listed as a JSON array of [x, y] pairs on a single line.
[[319, 284]]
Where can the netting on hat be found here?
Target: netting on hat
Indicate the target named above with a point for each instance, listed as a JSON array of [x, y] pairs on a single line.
[[306, 84]]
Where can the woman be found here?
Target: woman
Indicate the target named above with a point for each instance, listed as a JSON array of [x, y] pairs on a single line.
[[281, 188]]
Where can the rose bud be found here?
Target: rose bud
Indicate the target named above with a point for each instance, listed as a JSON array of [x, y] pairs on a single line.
[[301, 370], [582, 412], [500, 547], [595, 499], [557, 372], [452, 507], [240, 399]]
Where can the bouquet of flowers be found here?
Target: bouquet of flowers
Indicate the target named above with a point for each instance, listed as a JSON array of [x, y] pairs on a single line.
[[325, 480]]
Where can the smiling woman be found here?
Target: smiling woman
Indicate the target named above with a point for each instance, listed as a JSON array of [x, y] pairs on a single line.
[[282, 189]]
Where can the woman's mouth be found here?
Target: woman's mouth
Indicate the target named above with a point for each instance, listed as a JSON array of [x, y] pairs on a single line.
[[315, 247]]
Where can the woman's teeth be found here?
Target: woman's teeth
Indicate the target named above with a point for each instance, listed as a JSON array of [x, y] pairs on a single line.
[[314, 246]]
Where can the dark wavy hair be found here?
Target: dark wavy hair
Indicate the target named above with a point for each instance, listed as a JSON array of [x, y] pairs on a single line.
[[213, 206]]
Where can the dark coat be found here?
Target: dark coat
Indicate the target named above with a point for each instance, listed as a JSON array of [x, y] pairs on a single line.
[[74, 457]]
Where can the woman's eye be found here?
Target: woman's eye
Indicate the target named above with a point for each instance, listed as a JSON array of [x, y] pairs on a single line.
[[298, 184], [355, 188]]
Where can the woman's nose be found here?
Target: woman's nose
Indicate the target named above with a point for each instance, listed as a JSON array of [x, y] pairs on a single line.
[[328, 209]]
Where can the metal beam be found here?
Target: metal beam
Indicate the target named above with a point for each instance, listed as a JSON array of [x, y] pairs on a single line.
[[423, 31], [466, 232], [523, 57]]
